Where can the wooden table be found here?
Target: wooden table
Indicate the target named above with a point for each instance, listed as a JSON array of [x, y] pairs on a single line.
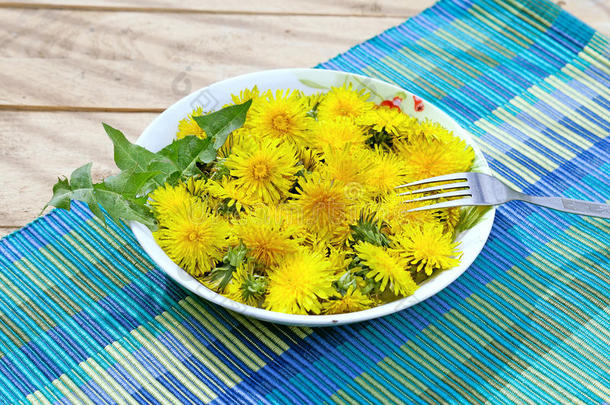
[[68, 65]]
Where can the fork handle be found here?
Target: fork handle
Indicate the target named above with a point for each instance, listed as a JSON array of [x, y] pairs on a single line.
[[592, 209]]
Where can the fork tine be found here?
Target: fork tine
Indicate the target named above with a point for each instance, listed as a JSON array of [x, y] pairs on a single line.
[[435, 188], [445, 204], [459, 193], [446, 177]]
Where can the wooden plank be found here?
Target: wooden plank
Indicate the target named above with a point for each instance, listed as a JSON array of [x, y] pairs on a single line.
[[4, 231], [137, 61], [104, 60], [147, 61], [64, 84], [37, 147], [596, 13], [391, 8]]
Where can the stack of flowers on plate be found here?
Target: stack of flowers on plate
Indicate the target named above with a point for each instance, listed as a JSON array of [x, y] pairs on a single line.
[[298, 212]]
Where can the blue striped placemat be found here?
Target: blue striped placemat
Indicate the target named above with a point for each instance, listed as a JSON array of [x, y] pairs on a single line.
[[86, 317]]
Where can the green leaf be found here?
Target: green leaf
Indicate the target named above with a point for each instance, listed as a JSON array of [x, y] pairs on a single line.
[[80, 187], [126, 154], [368, 229], [81, 177], [222, 275], [370, 286], [208, 154], [179, 159], [471, 216], [118, 206], [346, 281], [235, 256], [61, 195], [124, 196], [130, 183], [219, 124], [254, 287], [185, 153], [129, 156]]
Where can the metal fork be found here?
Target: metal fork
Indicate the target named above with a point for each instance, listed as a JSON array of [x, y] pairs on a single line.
[[483, 189]]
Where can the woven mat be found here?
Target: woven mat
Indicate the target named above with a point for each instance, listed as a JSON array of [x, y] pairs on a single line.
[[85, 316]]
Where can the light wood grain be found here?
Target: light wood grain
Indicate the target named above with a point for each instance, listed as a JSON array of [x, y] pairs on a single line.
[[403, 9], [143, 60], [7, 230], [37, 147], [91, 60], [143, 55], [596, 13]]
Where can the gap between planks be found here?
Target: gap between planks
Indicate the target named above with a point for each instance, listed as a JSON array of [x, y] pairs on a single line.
[[134, 9], [39, 146], [66, 108]]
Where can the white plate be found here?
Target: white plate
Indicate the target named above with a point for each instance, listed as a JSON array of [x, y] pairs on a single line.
[[162, 131]]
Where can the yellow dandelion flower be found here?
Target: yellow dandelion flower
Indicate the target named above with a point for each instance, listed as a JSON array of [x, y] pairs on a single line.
[[348, 165], [298, 283], [387, 170], [324, 204], [227, 188], [344, 101], [393, 210], [248, 94], [449, 218], [387, 267], [244, 95], [328, 238], [282, 116], [188, 126], [390, 120], [428, 158], [313, 100], [337, 133], [428, 248], [245, 286], [339, 259], [305, 187], [234, 137], [266, 170], [352, 301], [196, 187], [311, 159], [431, 131], [195, 238], [368, 228], [339, 236], [269, 233], [315, 242], [168, 200], [210, 283]]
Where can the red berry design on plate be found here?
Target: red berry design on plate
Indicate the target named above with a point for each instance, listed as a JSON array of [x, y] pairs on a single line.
[[418, 104], [397, 101], [394, 103]]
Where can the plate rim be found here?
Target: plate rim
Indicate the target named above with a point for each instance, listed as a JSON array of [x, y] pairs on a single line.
[[159, 257]]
